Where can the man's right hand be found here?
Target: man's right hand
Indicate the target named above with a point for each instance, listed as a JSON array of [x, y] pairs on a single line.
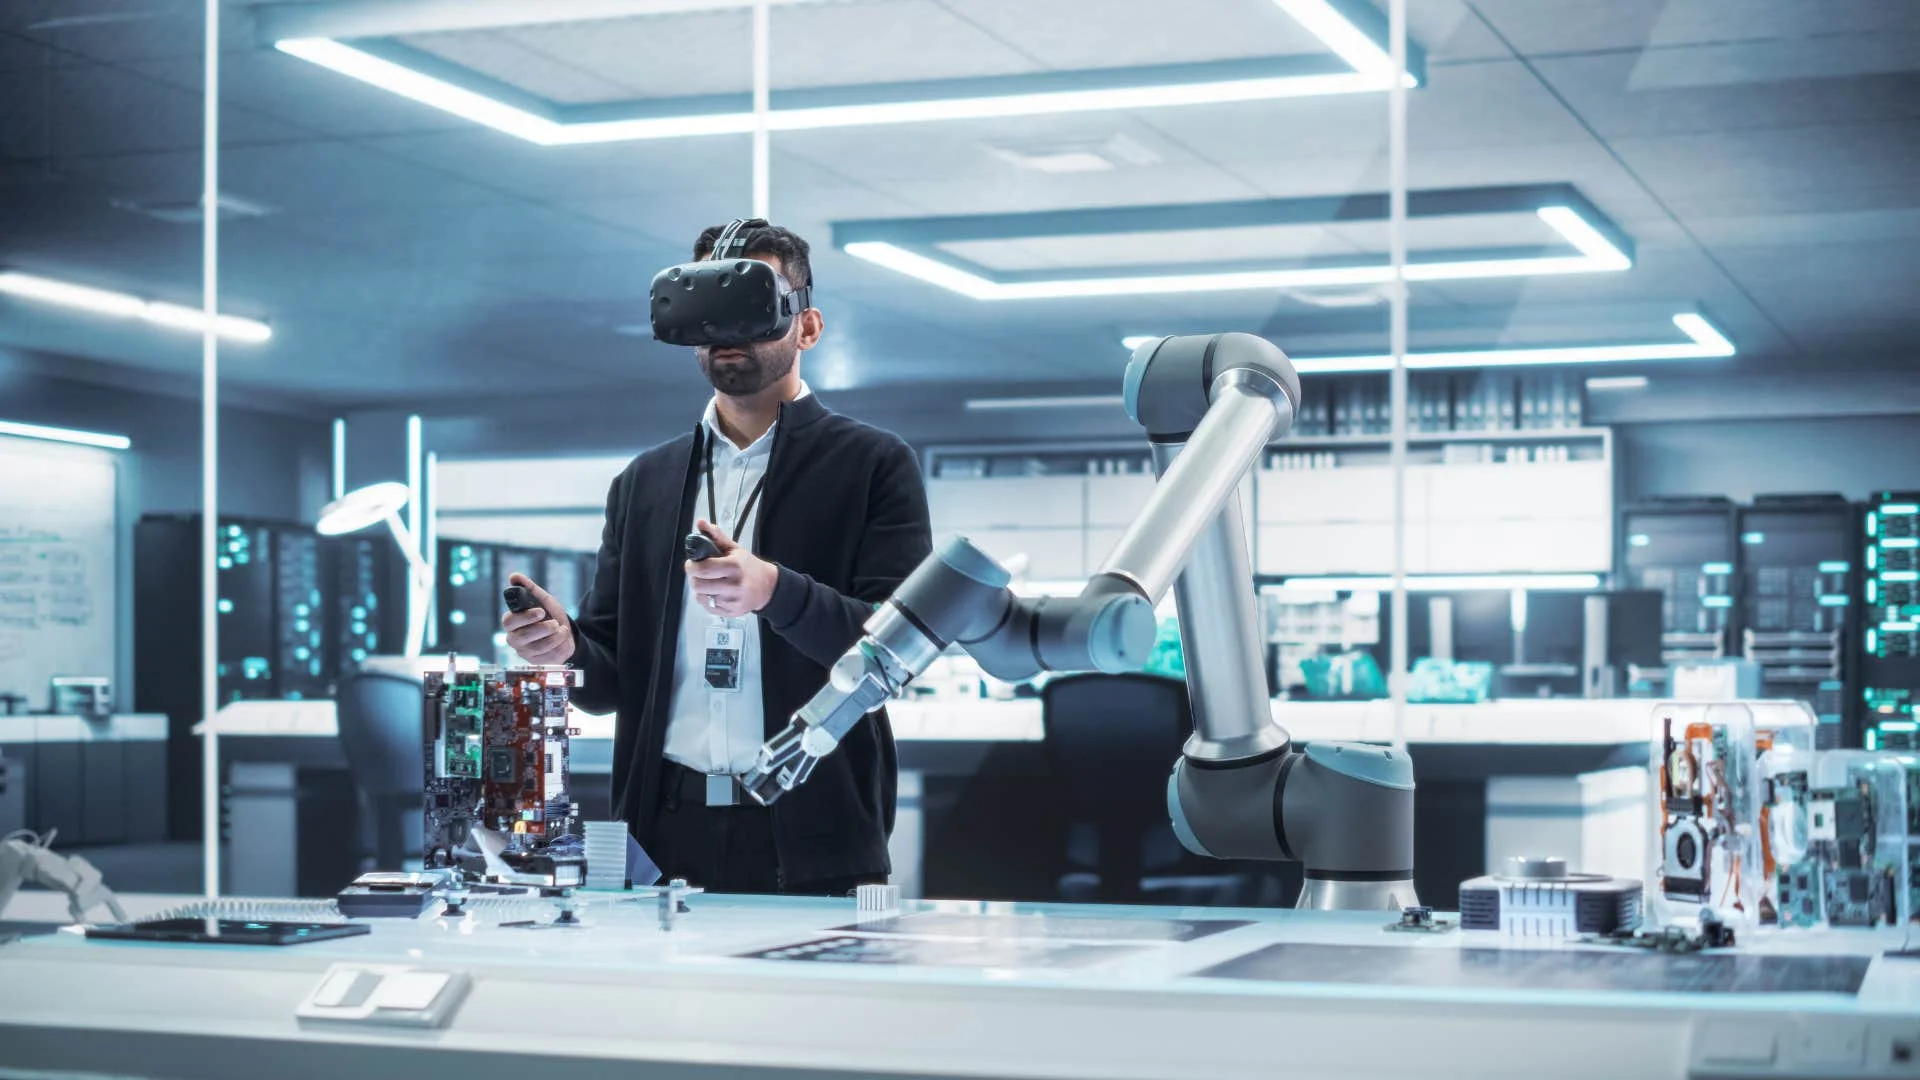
[[542, 634]]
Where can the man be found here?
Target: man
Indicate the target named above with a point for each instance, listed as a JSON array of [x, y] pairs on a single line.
[[818, 518]]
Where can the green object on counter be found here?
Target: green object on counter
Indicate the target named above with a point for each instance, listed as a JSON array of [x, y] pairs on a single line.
[[1349, 675], [1167, 659], [1449, 682]]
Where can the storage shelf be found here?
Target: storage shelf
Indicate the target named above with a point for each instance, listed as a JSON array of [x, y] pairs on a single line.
[[1437, 438]]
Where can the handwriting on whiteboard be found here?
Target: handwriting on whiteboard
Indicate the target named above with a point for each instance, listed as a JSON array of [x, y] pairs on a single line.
[[43, 579]]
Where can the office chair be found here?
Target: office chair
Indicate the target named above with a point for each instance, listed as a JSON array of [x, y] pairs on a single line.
[[379, 708], [1112, 741]]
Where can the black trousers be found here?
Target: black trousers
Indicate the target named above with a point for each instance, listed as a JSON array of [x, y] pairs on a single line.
[[725, 849]]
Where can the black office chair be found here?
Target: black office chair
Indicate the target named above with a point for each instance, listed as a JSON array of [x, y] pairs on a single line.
[[1112, 740], [379, 708]]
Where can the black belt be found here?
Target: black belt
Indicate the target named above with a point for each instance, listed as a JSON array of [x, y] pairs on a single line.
[[682, 784]]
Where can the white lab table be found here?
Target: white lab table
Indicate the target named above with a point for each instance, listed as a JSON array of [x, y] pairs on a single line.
[[961, 989], [97, 780]]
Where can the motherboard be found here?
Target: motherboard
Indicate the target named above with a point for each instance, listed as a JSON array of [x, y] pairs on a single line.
[[1842, 831], [498, 799]]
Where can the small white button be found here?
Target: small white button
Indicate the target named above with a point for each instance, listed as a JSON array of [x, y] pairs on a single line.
[[412, 991], [334, 991]]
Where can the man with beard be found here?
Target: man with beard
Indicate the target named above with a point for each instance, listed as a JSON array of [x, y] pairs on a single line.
[[817, 518]]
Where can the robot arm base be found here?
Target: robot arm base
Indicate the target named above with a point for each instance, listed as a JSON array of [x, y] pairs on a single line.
[[1343, 810]]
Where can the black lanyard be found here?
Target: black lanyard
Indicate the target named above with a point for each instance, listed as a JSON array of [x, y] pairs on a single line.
[[713, 512]]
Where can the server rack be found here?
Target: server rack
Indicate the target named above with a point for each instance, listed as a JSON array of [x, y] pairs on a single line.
[[467, 598], [1889, 657], [301, 662], [471, 576], [366, 596], [1686, 550], [1796, 587]]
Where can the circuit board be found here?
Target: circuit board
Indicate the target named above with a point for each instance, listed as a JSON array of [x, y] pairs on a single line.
[[1837, 873], [496, 743]]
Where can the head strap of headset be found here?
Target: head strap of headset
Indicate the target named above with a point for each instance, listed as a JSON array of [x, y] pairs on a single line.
[[732, 243]]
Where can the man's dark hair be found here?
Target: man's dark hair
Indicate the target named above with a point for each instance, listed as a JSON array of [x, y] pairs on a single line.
[[784, 244]]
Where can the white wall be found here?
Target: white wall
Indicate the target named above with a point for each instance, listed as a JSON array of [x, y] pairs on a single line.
[[530, 502]]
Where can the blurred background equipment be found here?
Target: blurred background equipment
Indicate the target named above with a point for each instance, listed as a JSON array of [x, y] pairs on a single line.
[[378, 504], [1890, 620]]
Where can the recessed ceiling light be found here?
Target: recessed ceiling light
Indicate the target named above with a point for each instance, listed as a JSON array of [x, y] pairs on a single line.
[[386, 66], [1617, 382], [1082, 155], [187, 211], [121, 306], [1371, 296]]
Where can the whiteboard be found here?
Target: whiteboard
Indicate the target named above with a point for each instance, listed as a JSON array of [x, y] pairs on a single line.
[[57, 564]]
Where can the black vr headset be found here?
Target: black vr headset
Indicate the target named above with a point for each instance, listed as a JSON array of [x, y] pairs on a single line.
[[725, 299]]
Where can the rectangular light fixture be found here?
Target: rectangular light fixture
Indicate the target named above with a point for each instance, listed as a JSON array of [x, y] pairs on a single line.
[[1348, 42], [1371, 72], [117, 305], [1703, 342], [1597, 254], [65, 435], [1083, 401], [1617, 382], [1446, 582]]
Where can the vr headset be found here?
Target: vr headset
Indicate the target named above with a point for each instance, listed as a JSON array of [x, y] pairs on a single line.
[[727, 298]]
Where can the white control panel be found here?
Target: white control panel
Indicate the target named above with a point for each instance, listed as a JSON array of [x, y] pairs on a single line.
[[390, 995]]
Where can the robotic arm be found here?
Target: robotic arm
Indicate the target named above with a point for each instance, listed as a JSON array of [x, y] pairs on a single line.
[[1210, 405], [22, 861]]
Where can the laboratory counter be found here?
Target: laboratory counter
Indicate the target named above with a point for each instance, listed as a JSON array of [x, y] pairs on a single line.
[[1498, 778], [775, 987]]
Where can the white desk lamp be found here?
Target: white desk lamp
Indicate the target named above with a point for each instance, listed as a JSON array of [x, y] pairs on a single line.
[[368, 506]]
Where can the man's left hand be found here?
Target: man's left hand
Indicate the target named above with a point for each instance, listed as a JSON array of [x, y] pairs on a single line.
[[733, 583]]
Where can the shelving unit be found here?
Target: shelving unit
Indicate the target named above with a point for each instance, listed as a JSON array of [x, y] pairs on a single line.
[[1477, 502]]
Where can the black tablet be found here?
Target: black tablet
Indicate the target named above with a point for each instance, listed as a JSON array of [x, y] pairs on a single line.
[[214, 931]]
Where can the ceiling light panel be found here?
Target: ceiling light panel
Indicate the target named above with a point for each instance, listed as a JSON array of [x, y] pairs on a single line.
[[117, 305], [934, 250], [1703, 341], [1351, 31], [65, 435]]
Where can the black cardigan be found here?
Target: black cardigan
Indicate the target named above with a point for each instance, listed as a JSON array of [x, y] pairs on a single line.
[[844, 515]]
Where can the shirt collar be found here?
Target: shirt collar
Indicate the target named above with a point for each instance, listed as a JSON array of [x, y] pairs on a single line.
[[761, 445]]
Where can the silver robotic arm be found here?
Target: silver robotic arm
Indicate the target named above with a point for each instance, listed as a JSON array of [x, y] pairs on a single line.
[[1210, 405], [27, 859]]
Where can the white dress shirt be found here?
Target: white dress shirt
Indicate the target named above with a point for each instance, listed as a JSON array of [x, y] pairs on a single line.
[[710, 730]]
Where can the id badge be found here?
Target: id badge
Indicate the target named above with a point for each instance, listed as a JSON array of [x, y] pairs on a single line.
[[725, 642]]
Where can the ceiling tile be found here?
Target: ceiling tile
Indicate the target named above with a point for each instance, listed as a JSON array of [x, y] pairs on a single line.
[[1805, 159], [1539, 27], [1841, 79], [1078, 34]]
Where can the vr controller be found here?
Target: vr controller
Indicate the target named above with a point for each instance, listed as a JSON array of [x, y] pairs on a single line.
[[725, 299]]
